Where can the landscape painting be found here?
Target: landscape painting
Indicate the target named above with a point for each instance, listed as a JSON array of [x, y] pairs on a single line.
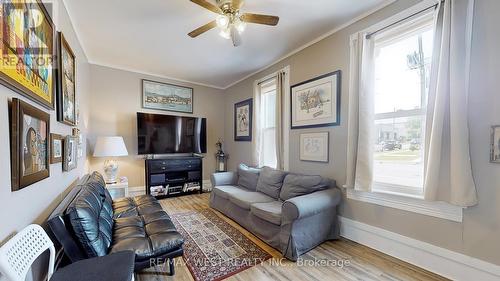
[[243, 120], [316, 102], [66, 97], [27, 47], [156, 95], [29, 144]]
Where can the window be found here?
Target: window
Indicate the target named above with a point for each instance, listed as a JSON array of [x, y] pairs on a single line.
[[394, 62], [268, 123], [402, 61]]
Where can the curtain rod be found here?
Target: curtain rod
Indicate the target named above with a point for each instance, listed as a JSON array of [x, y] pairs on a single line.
[[369, 35]]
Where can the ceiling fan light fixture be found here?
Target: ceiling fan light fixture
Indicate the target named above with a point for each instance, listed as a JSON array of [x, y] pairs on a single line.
[[229, 20], [240, 25], [225, 33], [222, 21]]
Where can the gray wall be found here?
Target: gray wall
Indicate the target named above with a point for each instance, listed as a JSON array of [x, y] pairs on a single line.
[[478, 235], [33, 203], [117, 97]]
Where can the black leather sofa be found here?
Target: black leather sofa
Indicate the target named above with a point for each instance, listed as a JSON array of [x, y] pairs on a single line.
[[88, 223]]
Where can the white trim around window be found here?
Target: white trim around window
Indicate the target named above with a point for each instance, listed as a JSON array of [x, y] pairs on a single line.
[[434, 209]]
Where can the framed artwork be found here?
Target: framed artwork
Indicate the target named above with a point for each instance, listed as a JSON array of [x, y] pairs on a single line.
[[243, 112], [314, 147], [156, 95], [316, 102], [56, 148], [27, 58], [66, 83], [78, 134], [70, 154], [495, 144], [30, 128]]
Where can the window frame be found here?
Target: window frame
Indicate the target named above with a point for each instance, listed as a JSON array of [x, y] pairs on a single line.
[[267, 88], [392, 38], [414, 204]]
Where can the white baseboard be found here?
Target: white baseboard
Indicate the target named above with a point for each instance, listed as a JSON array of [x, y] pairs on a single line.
[[136, 190], [441, 261], [207, 185]]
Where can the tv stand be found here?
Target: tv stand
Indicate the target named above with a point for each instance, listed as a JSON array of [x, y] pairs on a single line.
[[174, 176]]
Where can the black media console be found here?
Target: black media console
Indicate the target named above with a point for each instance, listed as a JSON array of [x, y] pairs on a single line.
[[174, 176]]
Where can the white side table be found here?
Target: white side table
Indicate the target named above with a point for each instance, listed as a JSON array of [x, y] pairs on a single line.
[[119, 189]]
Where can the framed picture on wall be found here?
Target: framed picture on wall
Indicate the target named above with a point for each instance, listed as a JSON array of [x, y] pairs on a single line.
[[495, 144], [163, 96], [79, 136], [56, 148], [243, 113], [314, 147], [66, 83], [70, 153], [316, 102], [30, 130], [28, 64]]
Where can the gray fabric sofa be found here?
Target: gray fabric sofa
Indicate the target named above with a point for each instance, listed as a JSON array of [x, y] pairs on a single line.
[[292, 213]]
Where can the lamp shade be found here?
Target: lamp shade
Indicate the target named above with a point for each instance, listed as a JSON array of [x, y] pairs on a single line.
[[110, 147]]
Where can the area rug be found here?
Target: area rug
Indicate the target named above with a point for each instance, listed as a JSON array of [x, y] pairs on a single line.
[[213, 249]]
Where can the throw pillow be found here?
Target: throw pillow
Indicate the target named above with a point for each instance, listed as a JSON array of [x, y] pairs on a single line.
[[270, 181], [248, 177], [296, 185]]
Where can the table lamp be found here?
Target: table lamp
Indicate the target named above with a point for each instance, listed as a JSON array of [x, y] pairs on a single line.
[[110, 147]]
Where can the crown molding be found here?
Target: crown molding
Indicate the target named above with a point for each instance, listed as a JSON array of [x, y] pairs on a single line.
[[154, 74], [310, 43], [316, 40]]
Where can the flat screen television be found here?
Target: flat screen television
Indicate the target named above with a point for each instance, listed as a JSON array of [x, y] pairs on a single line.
[[169, 134]]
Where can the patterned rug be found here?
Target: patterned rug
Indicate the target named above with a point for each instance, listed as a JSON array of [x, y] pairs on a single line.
[[213, 249]]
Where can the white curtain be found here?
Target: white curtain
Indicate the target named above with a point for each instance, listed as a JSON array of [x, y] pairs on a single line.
[[448, 173], [280, 88], [256, 131], [361, 114]]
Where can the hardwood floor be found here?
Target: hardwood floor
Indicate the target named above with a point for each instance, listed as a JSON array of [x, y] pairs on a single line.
[[364, 263]]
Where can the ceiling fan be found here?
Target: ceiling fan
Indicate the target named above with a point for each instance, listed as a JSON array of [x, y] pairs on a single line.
[[230, 21]]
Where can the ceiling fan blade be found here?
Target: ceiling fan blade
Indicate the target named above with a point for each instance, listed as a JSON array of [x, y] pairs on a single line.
[[208, 6], [235, 36], [260, 19], [237, 4], [202, 29]]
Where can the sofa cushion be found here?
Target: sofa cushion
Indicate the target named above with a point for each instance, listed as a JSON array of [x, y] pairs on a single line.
[[135, 206], [225, 190], [91, 221], [147, 235], [248, 177], [296, 185], [270, 212], [270, 181], [247, 198]]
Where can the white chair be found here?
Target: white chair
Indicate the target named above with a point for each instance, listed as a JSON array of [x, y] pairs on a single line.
[[19, 253]]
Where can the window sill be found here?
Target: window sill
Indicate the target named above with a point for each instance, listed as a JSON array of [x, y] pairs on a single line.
[[435, 209]]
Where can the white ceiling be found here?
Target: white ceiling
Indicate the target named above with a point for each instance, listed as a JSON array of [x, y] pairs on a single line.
[[150, 36]]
